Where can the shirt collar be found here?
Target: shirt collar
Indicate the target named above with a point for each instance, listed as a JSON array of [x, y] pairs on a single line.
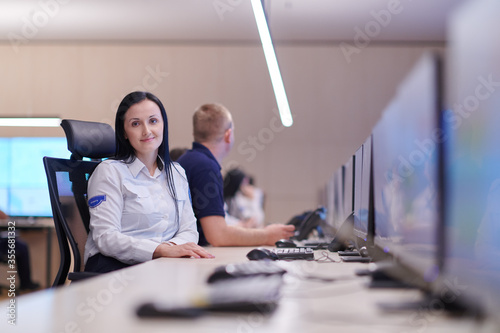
[[137, 166], [204, 150]]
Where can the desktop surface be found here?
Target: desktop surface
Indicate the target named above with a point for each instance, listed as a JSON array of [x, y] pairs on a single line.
[[108, 302]]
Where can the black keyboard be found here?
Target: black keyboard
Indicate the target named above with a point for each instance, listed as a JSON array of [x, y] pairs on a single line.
[[301, 253], [316, 245]]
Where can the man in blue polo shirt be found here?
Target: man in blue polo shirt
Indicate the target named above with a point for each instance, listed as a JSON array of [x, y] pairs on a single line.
[[213, 139]]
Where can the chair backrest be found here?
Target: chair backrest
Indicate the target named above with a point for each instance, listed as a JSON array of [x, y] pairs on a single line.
[[89, 139], [67, 182]]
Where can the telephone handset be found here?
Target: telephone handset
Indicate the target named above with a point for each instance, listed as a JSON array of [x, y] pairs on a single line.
[[306, 222]]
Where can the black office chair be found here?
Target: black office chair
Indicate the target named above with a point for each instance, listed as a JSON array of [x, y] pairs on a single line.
[[67, 180], [4, 258]]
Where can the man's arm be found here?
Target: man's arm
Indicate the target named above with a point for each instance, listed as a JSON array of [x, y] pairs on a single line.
[[218, 233]]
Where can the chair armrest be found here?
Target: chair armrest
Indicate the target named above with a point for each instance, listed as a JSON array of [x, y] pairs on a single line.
[[78, 276]]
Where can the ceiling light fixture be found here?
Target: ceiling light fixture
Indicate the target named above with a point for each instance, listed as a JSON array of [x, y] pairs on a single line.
[[30, 122], [272, 63]]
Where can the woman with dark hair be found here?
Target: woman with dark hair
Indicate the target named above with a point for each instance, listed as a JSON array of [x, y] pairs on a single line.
[[139, 201], [244, 202]]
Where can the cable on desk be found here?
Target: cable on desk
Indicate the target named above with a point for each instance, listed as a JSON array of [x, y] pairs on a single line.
[[325, 258]]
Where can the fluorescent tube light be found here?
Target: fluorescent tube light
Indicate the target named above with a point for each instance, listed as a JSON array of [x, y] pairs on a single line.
[[30, 122], [272, 64]]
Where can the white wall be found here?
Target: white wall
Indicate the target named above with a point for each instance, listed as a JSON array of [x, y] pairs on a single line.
[[335, 102]]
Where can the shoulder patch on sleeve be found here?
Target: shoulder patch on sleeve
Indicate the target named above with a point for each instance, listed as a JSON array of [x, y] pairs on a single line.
[[96, 201]]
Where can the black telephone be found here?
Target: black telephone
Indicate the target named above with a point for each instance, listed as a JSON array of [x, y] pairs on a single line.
[[306, 222]]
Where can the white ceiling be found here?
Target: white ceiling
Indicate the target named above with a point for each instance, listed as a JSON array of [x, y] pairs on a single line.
[[222, 20]]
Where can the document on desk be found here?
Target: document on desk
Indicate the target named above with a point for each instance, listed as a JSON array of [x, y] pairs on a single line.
[[245, 294]]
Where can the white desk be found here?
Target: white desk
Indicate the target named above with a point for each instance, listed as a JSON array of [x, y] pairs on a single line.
[[107, 303]]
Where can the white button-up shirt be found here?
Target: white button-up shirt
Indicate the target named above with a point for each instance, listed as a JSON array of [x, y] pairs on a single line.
[[132, 212]]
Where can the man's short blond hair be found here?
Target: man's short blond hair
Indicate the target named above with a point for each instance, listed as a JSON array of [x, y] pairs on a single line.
[[210, 122]]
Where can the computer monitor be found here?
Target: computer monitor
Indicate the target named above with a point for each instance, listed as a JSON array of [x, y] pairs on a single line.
[[23, 185], [363, 198], [358, 170], [407, 174], [471, 272], [348, 197], [338, 196], [328, 200]]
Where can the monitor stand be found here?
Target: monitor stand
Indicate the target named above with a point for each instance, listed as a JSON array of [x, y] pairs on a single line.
[[381, 276], [343, 235], [355, 255], [429, 303]]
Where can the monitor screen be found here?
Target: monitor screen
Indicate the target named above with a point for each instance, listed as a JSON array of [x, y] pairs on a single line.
[[23, 185], [472, 253], [362, 204], [473, 213], [407, 175]]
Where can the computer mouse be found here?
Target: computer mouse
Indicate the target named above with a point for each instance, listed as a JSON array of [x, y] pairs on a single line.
[[262, 254], [285, 243]]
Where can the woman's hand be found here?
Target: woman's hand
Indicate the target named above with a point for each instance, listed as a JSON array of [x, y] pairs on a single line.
[[188, 250]]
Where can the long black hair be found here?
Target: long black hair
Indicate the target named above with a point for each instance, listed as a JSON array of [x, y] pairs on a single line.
[[125, 151], [232, 182]]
